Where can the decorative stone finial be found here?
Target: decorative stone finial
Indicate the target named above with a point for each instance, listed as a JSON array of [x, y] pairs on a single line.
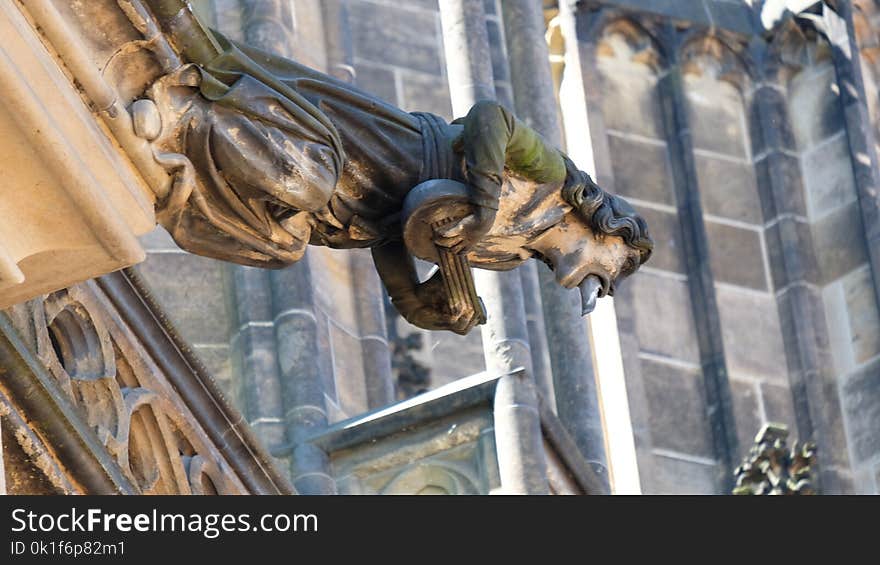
[[771, 468]]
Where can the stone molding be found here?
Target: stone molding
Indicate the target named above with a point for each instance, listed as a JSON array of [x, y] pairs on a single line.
[[104, 398], [74, 204]]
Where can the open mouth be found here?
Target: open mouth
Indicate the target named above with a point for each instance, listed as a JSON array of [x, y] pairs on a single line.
[[592, 288]]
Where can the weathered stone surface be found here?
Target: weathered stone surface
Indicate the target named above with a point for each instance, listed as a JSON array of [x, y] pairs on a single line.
[[752, 339], [733, 15], [197, 281], [790, 253], [863, 480], [769, 124], [219, 365], [860, 395], [664, 322], [728, 189], [864, 321], [421, 4], [780, 172], [325, 356], [814, 105], [676, 476], [500, 70], [426, 93], [716, 116], [504, 94], [629, 91], [294, 337], [377, 368], [666, 232], [404, 38], [228, 15], [839, 242], [778, 405], [677, 408], [746, 413], [828, 177], [315, 484], [253, 300], [641, 170], [453, 356], [21, 474], [332, 284], [75, 203], [736, 256], [256, 347], [349, 371], [838, 434], [378, 81]]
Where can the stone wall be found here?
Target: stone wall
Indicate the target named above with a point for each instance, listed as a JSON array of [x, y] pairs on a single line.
[[760, 302], [658, 333]]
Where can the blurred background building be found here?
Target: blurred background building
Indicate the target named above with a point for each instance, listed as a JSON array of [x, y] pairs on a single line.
[[744, 132]]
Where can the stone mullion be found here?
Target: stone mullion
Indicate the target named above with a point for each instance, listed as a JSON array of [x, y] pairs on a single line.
[[815, 400], [793, 252], [861, 136], [701, 281]]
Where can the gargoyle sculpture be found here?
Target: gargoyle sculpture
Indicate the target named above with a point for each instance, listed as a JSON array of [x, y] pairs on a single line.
[[271, 156]]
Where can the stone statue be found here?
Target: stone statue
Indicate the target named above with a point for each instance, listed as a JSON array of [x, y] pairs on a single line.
[[271, 156]]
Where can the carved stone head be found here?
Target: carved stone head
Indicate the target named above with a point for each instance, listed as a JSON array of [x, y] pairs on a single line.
[[588, 237]]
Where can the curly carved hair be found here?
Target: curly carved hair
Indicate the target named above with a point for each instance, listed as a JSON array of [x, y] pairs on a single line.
[[605, 213]]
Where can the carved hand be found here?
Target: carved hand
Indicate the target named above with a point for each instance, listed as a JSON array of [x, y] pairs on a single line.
[[460, 236], [427, 308]]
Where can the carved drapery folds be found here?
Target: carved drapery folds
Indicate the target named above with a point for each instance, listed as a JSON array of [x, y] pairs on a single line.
[[122, 396]]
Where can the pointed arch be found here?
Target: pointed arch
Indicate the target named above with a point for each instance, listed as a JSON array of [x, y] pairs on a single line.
[[713, 55]]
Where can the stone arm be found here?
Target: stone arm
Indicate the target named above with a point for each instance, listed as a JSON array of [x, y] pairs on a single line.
[[493, 141], [421, 304]]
